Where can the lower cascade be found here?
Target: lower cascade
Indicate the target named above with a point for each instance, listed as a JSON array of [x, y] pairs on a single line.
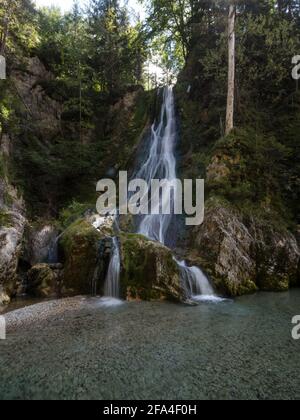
[[112, 281], [196, 283]]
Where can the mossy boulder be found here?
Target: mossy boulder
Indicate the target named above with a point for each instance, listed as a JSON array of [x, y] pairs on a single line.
[[148, 270], [44, 280], [79, 246]]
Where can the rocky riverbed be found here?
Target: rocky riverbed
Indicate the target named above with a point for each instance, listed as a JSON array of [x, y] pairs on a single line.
[[83, 348]]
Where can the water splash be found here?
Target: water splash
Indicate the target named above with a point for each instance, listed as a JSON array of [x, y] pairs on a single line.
[[196, 284]]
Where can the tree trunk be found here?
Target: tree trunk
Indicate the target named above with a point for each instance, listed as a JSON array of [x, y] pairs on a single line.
[[3, 38], [231, 69]]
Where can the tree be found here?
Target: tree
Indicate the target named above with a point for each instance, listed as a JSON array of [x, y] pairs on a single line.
[[17, 28], [173, 19], [231, 69]]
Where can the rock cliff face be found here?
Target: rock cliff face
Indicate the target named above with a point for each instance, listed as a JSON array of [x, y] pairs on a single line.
[[11, 235], [12, 225], [242, 257], [44, 111], [46, 115]]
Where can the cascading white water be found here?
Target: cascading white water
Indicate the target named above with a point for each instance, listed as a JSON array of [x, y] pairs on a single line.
[[160, 163], [112, 281], [196, 283]]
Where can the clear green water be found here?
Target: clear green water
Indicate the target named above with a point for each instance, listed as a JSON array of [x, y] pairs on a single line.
[[240, 350]]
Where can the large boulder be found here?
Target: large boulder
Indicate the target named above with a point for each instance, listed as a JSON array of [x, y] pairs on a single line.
[[12, 226], [80, 245], [244, 257], [148, 270], [44, 280], [225, 244]]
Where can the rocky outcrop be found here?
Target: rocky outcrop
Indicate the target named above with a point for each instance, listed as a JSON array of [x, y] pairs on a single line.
[[149, 271], [244, 257], [45, 280], [27, 81], [11, 234], [12, 225]]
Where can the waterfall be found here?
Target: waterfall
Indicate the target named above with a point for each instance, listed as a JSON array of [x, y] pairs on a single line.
[[196, 284], [53, 252], [112, 281], [160, 163]]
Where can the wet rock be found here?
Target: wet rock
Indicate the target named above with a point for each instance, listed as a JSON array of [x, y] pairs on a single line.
[[80, 245], [148, 270], [44, 281]]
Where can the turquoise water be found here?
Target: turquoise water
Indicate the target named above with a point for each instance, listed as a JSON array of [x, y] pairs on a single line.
[[230, 350]]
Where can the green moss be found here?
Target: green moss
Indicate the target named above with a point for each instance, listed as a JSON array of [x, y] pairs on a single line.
[[148, 270], [5, 219], [72, 213], [235, 288], [79, 245], [275, 284]]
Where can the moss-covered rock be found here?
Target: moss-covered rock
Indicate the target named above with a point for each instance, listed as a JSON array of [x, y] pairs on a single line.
[[80, 248], [149, 271], [44, 281]]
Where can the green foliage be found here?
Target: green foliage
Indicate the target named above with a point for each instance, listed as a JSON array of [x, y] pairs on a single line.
[[254, 165], [18, 30], [6, 219], [73, 212]]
